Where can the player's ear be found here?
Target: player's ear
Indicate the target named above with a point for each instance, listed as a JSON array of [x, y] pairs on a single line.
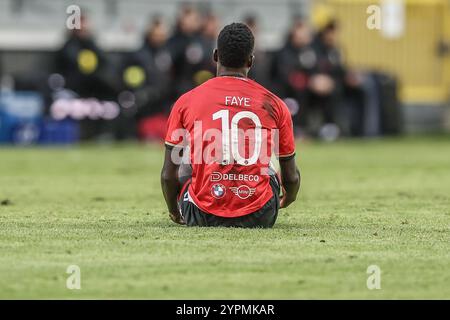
[[250, 61], [215, 56]]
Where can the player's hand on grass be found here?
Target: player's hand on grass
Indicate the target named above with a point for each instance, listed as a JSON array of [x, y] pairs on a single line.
[[284, 202], [176, 217]]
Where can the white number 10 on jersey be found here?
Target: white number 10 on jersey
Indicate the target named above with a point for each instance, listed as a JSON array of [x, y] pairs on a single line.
[[231, 150]]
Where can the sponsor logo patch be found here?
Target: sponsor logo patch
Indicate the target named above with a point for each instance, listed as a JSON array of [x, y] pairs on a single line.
[[218, 191], [243, 192], [217, 176]]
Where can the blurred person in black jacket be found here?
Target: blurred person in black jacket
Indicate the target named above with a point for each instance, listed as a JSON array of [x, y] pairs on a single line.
[[210, 31], [187, 50], [338, 91], [84, 65], [88, 72], [146, 76], [327, 81], [147, 71], [260, 71], [293, 66]]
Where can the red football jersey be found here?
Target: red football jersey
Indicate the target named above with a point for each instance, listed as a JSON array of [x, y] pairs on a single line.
[[231, 127]]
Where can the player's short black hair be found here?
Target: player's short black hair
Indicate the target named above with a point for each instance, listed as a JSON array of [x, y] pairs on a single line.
[[235, 45]]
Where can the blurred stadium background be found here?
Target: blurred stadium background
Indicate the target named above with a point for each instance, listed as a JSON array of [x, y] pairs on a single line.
[[117, 77]]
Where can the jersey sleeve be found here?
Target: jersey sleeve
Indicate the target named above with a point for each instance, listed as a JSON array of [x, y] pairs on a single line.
[[286, 142], [176, 132]]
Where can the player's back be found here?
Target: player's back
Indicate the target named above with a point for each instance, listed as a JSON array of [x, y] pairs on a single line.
[[232, 124]]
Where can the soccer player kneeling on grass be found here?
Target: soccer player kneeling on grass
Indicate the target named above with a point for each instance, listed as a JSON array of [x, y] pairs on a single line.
[[219, 142]]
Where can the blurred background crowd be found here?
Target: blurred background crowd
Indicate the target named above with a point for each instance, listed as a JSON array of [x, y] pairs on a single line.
[[79, 89]]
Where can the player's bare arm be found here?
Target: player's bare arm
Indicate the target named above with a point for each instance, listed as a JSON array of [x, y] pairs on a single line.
[[170, 185], [290, 179]]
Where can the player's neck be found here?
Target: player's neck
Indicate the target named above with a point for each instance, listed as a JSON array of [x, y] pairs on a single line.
[[231, 72]]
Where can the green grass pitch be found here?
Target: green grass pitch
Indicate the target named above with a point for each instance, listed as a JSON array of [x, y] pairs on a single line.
[[381, 202]]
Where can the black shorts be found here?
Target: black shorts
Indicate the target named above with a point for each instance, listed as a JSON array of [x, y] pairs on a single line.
[[263, 218]]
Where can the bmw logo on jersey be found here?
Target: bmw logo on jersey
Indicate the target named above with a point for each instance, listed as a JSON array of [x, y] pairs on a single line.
[[218, 190]]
